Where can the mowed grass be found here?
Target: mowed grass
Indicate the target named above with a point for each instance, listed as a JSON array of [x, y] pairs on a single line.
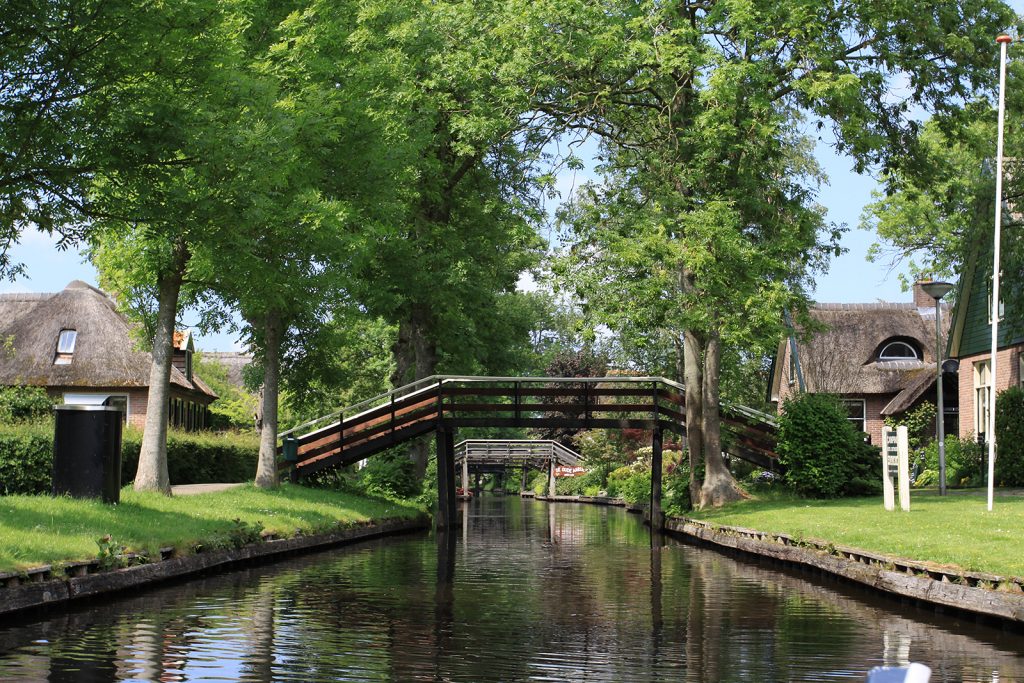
[[953, 530], [40, 530]]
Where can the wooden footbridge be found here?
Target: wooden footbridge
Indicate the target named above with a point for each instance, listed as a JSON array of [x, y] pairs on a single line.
[[495, 456], [443, 403]]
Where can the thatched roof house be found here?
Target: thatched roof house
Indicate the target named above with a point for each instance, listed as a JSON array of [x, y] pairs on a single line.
[[77, 345], [879, 358]]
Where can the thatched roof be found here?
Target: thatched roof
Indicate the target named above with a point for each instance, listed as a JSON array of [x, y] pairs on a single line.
[[104, 353], [844, 358], [233, 362]]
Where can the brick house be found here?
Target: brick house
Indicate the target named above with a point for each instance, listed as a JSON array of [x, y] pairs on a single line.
[[879, 358], [79, 347], [971, 343]]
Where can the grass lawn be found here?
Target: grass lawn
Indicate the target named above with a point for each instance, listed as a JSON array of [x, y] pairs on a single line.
[[954, 530], [38, 530]]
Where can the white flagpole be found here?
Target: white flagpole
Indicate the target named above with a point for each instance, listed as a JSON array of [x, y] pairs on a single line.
[[1003, 41]]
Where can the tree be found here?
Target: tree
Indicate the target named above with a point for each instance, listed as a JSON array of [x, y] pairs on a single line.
[[706, 222], [169, 184], [455, 255]]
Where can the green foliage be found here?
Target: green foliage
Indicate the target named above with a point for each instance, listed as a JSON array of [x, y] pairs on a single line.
[[234, 406], [822, 452], [1009, 464], [964, 464], [920, 424], [390, 474], [26, 457], [241, 533], [24, 403]]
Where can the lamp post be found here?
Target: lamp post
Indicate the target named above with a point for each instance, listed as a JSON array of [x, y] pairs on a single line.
[[937, 290]]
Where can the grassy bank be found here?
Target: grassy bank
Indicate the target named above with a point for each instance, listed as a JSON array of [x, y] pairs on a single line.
[[955, 530], [38, 530]]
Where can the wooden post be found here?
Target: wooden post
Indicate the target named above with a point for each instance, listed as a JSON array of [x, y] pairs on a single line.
[[657, 517], [465, 473], [551, 477], [522, 480], [445, 440]]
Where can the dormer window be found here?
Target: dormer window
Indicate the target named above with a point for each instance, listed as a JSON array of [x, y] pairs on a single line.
[[898, 350], [188, 365], [65, 347]]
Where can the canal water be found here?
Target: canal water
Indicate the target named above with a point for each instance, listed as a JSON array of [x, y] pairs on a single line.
[[524, 591]]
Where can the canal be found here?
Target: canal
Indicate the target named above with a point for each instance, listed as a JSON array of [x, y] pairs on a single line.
[[525, 591]]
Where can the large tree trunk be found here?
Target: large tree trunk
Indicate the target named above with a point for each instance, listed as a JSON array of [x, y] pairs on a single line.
[[693, 380], [266, 468], [425, 353], [152, 473], [405, 358], [719, 485]]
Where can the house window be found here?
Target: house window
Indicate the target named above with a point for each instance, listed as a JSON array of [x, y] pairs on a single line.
[[856, 412], [898, 350], [792, 369], [1002, 306], [982, 384], [65, 347], [188, 365]]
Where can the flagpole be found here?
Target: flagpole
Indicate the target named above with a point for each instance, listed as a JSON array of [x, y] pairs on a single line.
[[1003, 41]]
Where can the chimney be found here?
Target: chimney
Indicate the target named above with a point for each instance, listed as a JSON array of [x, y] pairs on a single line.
[[921, 298]]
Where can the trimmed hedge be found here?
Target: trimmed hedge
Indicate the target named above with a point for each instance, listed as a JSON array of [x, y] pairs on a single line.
[[1010, 437], [26, 457]]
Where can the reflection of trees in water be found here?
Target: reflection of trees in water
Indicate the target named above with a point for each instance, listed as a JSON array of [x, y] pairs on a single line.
[[776, 630], [578, 595]]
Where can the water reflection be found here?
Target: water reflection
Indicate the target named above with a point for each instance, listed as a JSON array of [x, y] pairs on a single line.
[[524, 591]]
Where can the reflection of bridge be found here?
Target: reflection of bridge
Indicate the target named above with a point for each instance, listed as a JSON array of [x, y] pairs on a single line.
[[443, 403], [495, 456]]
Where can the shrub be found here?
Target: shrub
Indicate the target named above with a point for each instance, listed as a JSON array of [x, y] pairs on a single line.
[[1009, 464], [22, 404], [26, 457], [824, 455], [391, 474], [963, 463]]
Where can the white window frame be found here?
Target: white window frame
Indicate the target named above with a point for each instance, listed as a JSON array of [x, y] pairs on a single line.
[[67, 334], [898, 342], [988, 308], [982, 372], [863, 420]]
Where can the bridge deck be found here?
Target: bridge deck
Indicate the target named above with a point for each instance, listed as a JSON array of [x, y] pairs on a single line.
[[449, 402]]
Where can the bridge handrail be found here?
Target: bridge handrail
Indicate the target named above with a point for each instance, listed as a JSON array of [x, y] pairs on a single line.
[[421, 384]]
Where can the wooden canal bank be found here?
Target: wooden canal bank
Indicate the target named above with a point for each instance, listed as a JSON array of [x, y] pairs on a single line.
[[48, 587], [980, 595]]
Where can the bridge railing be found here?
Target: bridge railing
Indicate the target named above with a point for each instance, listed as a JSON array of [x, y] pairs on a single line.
[[470, 401]]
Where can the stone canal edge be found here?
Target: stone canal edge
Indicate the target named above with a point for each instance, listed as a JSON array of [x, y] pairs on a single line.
[[42, 589], [988, 595]]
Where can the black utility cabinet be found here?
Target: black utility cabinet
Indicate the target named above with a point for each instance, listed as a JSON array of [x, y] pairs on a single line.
[[87, 452]]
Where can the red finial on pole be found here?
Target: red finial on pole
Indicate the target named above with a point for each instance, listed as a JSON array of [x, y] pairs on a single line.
[[1003, 38]]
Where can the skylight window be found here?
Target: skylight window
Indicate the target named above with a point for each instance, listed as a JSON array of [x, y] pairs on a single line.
[[65, 347]]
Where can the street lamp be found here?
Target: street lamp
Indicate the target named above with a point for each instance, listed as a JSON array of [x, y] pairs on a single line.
[[937, 290]]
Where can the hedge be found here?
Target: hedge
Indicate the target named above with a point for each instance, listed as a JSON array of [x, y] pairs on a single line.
[[26, 457]]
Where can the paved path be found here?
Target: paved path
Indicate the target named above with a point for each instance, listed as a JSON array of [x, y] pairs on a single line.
[[193, 489]]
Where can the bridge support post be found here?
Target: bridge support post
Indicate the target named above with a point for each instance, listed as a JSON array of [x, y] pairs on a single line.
[[657, 516], [522, 480], [465, 475], [551, 477], [445, 478]]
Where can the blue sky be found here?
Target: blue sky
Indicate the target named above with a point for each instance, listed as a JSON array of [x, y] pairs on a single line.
[[851, 277]]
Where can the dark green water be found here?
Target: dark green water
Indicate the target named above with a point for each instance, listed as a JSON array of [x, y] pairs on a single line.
[[525, 591]]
